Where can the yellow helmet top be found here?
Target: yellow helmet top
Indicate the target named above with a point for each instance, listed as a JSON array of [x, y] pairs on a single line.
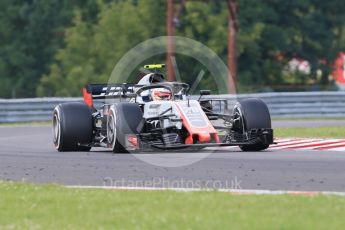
[[154, 66]]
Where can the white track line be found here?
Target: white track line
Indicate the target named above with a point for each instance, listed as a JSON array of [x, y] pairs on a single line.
[[232, 191], [340, 149]]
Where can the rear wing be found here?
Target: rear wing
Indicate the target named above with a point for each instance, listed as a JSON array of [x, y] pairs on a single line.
[[109, 91]]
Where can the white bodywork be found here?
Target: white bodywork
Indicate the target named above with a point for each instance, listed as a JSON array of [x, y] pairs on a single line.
[[146, 80], [191, 111]]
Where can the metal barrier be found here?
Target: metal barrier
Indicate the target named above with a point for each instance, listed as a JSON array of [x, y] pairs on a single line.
[[301, 104], [29, 110]]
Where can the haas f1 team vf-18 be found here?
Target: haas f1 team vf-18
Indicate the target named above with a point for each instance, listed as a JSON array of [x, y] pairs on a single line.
[[156, 114]]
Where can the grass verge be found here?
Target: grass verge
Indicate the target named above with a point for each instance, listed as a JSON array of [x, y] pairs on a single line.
[[26, 123], [317, 132], [308, 118], [24, 206]]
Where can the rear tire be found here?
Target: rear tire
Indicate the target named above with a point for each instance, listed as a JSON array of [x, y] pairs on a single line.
[[72, 127], [254, 114], [123, 119]]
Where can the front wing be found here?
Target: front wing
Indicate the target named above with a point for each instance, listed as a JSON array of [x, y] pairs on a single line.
[[264, 136]]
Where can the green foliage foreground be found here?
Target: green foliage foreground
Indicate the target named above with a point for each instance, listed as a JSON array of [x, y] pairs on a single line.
[[24, 206]]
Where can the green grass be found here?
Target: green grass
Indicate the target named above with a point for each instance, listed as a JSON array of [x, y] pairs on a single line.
[[318, 132], [24, 206], [307, 118], [26, 123]]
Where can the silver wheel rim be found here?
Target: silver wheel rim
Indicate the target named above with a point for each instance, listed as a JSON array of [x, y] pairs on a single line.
[[238, 110], [56, 128], [111, 130]]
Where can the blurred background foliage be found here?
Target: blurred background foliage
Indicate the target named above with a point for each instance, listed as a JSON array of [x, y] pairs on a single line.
[[55, 47]]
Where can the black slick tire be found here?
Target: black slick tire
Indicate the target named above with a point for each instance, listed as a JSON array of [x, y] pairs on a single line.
[[72, 127]]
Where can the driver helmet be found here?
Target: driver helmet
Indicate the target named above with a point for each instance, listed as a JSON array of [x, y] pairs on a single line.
[[161, 94]]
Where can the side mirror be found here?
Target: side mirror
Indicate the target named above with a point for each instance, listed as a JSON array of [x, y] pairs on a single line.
[[205, 92]]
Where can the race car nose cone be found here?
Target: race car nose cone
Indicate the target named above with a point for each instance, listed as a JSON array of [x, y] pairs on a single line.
[[204, 137]]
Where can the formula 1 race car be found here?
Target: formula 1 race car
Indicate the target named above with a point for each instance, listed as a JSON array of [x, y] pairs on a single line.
[[156, 114]]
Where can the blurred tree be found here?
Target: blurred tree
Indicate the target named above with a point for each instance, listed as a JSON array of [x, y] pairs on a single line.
[[93, 49], [309, 29], [55, 47], [205, 23], [31, 31]]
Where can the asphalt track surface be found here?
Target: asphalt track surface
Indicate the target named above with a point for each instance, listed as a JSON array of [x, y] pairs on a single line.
[[27, 154]]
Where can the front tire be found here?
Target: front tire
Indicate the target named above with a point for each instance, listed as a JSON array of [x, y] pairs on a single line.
[[124, 119], [253, 113], [254, 147], [72, 127]]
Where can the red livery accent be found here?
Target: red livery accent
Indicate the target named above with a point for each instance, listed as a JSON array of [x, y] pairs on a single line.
[[339, 69], [132, 141], [87, 98], [203, 134]]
